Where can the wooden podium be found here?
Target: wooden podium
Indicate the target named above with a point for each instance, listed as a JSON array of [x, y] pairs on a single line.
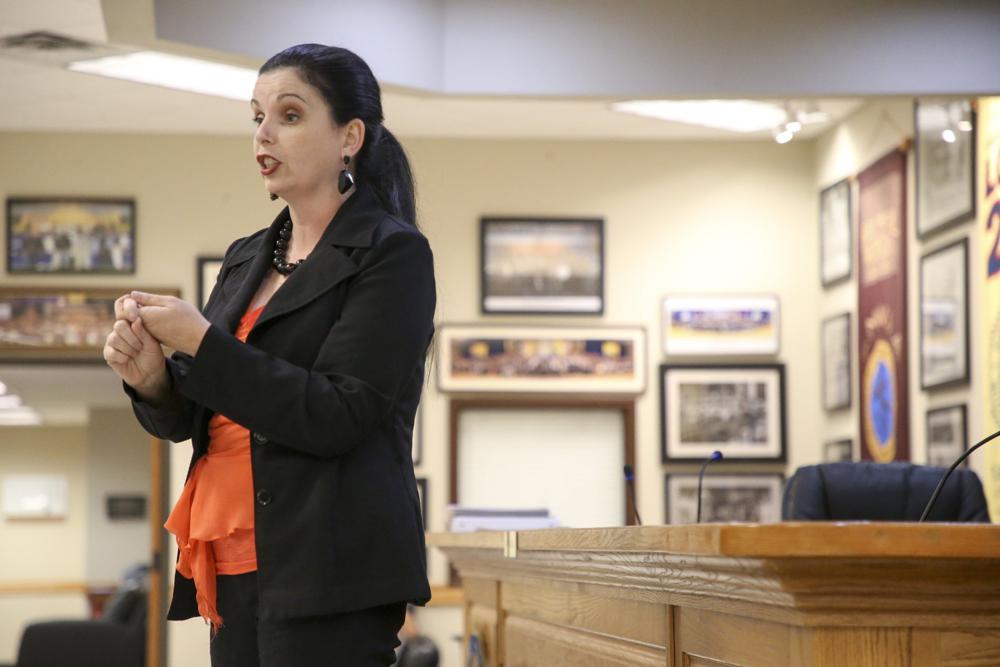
[[809, 594]]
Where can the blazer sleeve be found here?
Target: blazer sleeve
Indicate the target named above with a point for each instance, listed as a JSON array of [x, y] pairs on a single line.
[[371, 351], [173, 419]]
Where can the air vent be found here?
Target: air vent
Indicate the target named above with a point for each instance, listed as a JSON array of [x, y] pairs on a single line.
[[49, 48], [44, 41]]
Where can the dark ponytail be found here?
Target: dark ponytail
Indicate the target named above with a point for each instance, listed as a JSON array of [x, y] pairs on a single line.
[[349, 87]]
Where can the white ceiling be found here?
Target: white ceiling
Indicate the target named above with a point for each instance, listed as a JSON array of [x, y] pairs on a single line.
[[41, 97]]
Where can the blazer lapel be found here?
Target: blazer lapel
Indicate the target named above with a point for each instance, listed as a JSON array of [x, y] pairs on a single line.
[[352, 226]]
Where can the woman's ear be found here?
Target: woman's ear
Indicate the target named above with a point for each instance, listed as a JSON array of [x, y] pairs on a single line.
[[354, 136]]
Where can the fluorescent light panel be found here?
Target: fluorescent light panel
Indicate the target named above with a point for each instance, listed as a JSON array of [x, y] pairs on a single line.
[[170, 71], [733, 115]]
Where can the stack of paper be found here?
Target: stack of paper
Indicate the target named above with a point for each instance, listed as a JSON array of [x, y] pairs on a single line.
[[466, 519]]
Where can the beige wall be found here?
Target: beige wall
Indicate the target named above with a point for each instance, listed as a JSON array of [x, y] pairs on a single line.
[[679, 217], [857, 142]]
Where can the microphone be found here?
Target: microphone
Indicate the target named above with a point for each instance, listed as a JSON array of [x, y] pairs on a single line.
[[715, 456], [944, 478], [630, 483]]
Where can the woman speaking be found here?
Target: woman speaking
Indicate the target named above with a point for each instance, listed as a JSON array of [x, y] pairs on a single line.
[[299, 530]]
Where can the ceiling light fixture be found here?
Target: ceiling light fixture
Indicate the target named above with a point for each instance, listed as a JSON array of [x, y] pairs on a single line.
[[732, 115], [170, 71]]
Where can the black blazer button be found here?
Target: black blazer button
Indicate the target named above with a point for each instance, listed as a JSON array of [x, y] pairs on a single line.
[[263, 497], [259, 439]]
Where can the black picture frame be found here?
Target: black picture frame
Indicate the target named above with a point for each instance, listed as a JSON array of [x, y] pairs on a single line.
[[684, 513], [489, 224], [206, 264], [926, 319], [825, 194], [844, 356], [960, 438], [776, 428], [921, 145], [17, 254]]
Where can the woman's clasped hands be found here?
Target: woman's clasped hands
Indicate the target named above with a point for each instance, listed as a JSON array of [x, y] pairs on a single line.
[[143, 322]]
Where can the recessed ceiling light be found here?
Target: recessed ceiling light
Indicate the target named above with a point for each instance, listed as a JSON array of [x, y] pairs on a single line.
[[20, 417], [8, 401], [170, 71], [733, 115]]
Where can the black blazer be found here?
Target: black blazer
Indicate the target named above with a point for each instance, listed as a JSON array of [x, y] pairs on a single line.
[[328, 384]]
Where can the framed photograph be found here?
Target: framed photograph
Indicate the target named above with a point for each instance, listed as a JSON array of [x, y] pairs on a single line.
[[208, 271], [476, 358], [70, 235], [721, 325], [728, 498], [534, 266], [944, 316], [836, 340], [836, 233], [53, 324], [422, 492], [737, 410], [838, 450], [947, 435], [945, 156]]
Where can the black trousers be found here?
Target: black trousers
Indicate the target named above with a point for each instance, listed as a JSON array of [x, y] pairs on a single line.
[[353, 639]]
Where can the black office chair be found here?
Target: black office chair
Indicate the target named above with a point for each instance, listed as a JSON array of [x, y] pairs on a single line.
[[869, 491], [117, 639]]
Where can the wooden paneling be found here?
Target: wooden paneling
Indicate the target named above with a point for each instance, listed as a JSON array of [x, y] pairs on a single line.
[[532, 643], [566, 605], [832, 647], [731, 639], [955, 649]]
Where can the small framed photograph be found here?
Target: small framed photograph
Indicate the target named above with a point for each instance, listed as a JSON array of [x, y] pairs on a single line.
[[728, 498], [737, 410], [422, 492], [59, 324], [944, 316], [947, 436], [836, 227], [721, 325], [535, 266], [476, 358], [838, 450], [945, 156], [70, 235], [208, 272], [836, 340]]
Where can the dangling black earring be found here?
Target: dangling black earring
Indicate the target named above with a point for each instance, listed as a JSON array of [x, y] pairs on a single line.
[[273, 196], [345, 182]]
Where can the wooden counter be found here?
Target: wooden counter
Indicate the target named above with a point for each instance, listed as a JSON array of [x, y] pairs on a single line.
[[809, 594]]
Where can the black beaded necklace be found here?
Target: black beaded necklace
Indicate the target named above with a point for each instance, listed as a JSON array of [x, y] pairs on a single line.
[[280, 246]]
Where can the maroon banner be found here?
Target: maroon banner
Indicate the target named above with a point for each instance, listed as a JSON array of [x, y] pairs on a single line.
[[885, 415]]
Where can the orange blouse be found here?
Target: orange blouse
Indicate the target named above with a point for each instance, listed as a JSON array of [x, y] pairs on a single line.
[[213, 518]]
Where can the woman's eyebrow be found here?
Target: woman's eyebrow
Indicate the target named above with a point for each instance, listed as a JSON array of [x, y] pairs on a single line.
[[254, 100]]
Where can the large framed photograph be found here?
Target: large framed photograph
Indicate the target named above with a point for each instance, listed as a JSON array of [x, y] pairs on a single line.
[[53, 324], [728, 498], [208, 272], [70, 235], [947, 435], [945, 156], [944, 316], [838, 450], [836, 227], [836, 340], [477, 358], [737, 410], [721, 325], [552, 266]]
